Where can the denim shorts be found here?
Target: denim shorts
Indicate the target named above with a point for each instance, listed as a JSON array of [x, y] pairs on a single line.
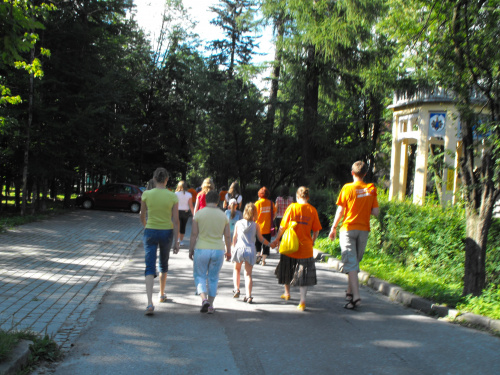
[[154, 239], [352, 245]]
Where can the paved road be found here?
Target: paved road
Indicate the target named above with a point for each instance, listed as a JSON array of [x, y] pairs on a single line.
[[268, 337]]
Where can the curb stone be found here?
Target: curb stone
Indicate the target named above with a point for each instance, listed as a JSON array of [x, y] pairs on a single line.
[[18, 358], [397, 294]]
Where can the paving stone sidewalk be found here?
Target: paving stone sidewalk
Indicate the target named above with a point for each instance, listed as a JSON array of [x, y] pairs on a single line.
[[55, 272]]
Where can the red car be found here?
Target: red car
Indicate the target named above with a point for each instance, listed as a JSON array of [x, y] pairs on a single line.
[[118, 196]]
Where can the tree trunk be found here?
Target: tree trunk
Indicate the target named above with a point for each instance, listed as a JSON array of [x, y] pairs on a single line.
[[27, 141], [475, 253], [273, 102], [310, 118]]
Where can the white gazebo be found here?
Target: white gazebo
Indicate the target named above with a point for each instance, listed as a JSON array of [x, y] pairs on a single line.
[[425, 118]]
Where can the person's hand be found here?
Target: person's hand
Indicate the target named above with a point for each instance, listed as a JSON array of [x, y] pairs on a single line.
[[273, 244], [176, 248], [228, 256], [191, 254], [333, 234]]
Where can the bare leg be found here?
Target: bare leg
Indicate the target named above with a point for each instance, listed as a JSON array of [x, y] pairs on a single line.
[[181, 237], [163, 282], [264, 259], [303, 292], [248, 279], [287, 289], [150, 280], [211, 300], [237, 276]]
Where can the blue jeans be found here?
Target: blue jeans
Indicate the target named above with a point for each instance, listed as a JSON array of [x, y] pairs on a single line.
[[206, 267], [154, 238]]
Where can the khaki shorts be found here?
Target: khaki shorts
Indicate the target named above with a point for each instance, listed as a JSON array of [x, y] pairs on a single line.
[[352, 244]]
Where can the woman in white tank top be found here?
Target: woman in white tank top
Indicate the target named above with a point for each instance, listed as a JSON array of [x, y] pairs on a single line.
[[185, 207]]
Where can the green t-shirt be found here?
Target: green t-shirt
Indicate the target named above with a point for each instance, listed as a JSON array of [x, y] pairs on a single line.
[[211, 223], [159, 203]]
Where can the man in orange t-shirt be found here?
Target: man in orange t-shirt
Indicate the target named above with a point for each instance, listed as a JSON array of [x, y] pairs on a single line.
[[357, 201]]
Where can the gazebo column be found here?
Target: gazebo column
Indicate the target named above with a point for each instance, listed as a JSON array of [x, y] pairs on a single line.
[[403, 170], [457, 180], [450, 163], [420, 181], [395, 186]]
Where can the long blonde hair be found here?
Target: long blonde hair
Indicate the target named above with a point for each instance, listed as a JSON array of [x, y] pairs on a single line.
[[181, 187], [207, 185]]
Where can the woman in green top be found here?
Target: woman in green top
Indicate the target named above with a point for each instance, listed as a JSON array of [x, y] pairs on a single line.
[[160, 206]]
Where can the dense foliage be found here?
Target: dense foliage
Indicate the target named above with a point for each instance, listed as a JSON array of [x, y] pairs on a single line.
[[113, 105]]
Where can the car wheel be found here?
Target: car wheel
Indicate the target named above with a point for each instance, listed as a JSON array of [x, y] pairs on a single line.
[[135, 207], [87, 204]]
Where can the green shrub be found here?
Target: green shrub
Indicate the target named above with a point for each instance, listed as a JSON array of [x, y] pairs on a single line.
[[425, 237], [324, 202], [487, 304]]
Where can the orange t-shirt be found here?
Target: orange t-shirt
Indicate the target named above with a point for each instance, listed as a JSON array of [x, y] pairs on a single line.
[[194, 194], [264, 217], [358, 199], [307, 220], [222, 195]]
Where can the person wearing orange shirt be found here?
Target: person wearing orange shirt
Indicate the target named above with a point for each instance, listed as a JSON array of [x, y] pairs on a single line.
[[357, 201], [222, 197], [265, 215], [299, 268], [194, 193]]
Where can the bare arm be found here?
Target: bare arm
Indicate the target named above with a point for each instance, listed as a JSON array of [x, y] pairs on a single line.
[[260, 237], [194, 237], [235, 236], [277, 238], [314, 236], [190, 202], [196, 206], [144, 209], [338, 216], [175, 221], [227, 238]]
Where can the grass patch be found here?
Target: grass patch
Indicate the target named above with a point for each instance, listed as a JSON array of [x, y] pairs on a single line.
[[9, 219], [44, 348]]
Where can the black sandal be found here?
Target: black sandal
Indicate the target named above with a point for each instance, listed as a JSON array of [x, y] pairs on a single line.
[[248, 300], [349, 296], [351, 305]]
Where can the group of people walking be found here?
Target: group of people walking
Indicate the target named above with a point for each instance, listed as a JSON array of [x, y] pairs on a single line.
[[246, 237]]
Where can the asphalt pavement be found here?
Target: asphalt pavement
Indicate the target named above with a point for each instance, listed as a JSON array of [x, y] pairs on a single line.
[[89, 265]]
